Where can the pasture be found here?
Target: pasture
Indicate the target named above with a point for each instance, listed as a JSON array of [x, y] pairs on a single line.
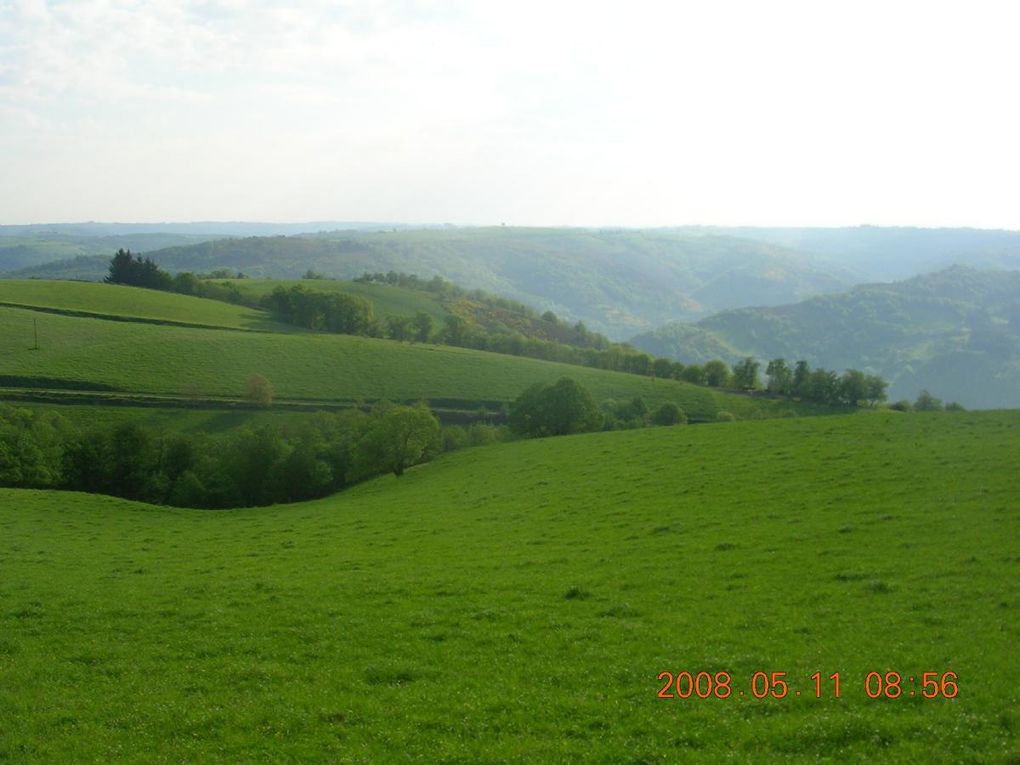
[[518, 602], [120, 302], [387, 300], [193, 362]]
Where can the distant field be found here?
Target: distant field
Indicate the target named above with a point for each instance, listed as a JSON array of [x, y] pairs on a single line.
[[387, 300], [207, 362], [121, 301], [518, 602]]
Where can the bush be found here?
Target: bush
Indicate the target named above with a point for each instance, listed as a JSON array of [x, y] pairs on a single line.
[[927, 403], [258, 390], [555, 410], [480, 434], [454, 437], [724, 416], [669, 414]]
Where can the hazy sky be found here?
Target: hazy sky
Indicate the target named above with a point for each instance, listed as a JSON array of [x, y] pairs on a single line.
[[576, 113]]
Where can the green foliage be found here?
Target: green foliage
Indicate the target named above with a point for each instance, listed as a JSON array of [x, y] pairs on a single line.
[[745, 374], [256, 465], [386, 300], [258, 390], [30, 447], [927, 403], [669, 414], [330, 311], [716, 374], [137, 272], [423, 324], [397, 438], [454, 437], [954, 331], [694, 374], [554, 410], [781, 377]]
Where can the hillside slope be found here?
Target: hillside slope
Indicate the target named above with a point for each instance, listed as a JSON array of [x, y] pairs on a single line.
[[955, 332], [617, 281], [94, 354], [32, 247], [519, 602], [114, 300], [387, 300], [878, 253]]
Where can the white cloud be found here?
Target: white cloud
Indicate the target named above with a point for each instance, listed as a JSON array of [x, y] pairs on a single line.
[[536, 112]]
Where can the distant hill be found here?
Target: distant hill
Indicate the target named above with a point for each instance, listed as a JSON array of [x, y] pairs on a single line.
[[29, 247], [883, 254], [78, 256], [617, 282], [955, 332]]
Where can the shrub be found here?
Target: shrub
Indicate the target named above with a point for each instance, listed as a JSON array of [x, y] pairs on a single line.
[[669, 414], [555, 410], [258, 390]]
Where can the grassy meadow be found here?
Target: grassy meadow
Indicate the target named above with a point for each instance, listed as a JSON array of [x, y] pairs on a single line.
[[386, 299], [182, 361], [517, 603], [114, 300]]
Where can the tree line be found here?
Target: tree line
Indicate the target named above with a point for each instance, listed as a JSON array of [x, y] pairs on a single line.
[[307, 458], [565, 407]]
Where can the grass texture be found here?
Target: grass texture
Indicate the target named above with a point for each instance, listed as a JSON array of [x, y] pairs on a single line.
[[143, 358], [115, 300], [517, 603]]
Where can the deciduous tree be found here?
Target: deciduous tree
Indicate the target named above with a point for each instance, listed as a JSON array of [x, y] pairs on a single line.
[[554, 410]]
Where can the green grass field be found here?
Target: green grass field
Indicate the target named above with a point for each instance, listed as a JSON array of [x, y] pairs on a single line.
[[517, 603], [386, 299], [120, 301], [151, 359]]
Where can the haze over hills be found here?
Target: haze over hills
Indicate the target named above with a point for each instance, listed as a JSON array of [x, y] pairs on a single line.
[[620, 283], [34, 245], [885, 254], [616, 281], [955, 332]]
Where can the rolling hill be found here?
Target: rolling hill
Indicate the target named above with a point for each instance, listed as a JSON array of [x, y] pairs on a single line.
[[617, 281], [520, 602], [83, 350], [387, 300], [31, 247], [877, 253], [114, 301], [955, 332]]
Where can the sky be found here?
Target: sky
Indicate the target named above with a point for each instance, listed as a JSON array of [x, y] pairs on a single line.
[[528, 112]]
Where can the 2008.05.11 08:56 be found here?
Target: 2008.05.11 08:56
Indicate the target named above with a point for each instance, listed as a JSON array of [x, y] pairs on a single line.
[[876, 685]]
